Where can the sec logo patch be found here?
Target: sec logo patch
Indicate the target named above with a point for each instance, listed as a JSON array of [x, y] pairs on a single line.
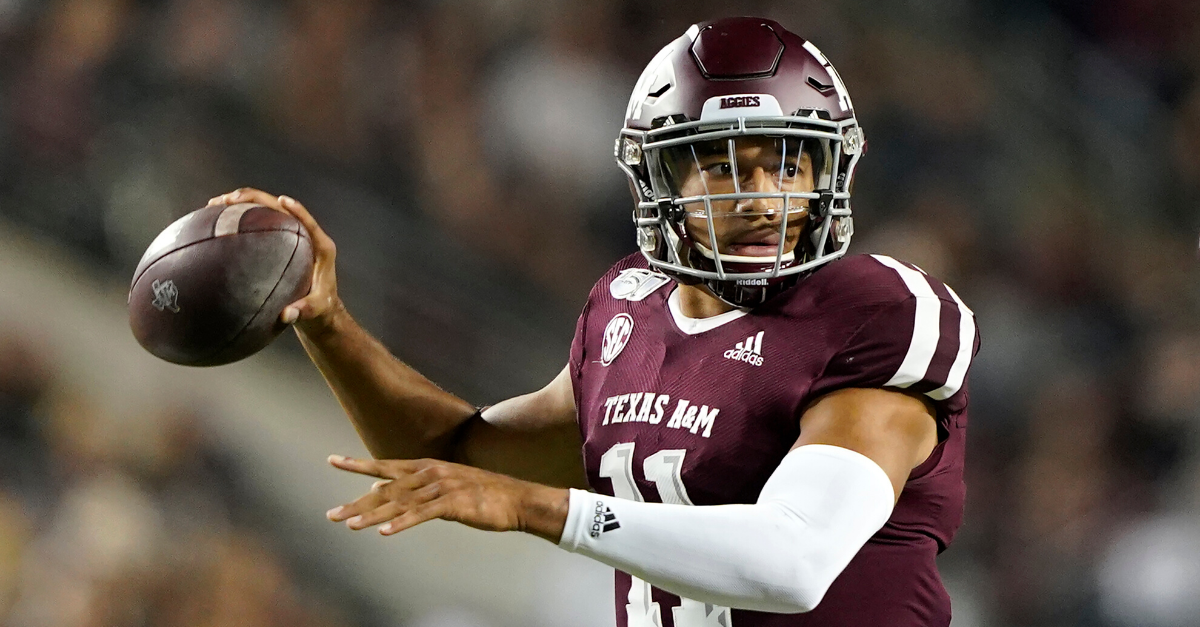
[[616, 336]]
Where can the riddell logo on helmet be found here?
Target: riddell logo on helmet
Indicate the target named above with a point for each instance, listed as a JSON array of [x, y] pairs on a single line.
[[739, 101]]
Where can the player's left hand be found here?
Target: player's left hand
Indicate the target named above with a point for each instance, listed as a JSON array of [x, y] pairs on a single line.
[[411, 492]]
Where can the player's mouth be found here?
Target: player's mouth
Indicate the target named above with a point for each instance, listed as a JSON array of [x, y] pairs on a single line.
[[760, 244]]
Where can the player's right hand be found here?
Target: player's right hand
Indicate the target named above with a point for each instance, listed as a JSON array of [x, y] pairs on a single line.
[[315, 312]]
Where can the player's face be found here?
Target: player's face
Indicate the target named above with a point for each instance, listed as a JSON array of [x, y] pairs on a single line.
[[745, 227]]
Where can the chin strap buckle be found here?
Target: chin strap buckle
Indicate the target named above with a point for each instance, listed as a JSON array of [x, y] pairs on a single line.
[[824, 204], [669, 210]]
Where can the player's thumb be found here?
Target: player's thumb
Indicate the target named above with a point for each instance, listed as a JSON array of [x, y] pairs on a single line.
[[318, 307], [307, 308], [291, 313], [299, 310]]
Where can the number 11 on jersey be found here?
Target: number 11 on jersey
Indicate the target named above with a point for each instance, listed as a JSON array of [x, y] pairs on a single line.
[[665, 469]]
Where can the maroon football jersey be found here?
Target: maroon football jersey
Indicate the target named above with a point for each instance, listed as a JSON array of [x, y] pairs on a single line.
[[701, 412]]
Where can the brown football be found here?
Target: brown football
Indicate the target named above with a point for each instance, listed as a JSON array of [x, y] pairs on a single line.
[[211, 287]]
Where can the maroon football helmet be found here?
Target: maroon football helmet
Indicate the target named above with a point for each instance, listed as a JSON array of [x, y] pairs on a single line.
[[740, 144]]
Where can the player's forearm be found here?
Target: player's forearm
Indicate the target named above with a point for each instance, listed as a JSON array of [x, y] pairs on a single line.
[[398, 412], [544, 511], [532, 437], [779, 555]]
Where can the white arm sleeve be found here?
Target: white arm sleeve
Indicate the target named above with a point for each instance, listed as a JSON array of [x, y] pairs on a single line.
[[779, 555]]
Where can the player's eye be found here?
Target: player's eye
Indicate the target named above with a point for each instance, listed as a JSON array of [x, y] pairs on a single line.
[[790, 170], [718, 169]]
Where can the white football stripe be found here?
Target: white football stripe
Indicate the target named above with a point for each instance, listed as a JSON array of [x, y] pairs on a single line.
[[758, 342], [926, 329], [966, 345], [230, 218]]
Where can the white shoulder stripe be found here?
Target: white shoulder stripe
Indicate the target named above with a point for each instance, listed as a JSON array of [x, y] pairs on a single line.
[[926, 325], [966, 345]]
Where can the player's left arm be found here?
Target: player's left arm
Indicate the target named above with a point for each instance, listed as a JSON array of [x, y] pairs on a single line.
[[830, 494], [834, 490], [895, 430]]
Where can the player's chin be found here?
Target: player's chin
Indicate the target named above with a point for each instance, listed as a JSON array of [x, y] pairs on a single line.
[[756, 249], [752, 250]]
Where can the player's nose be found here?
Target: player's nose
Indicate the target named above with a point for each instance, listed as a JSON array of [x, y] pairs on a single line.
[[761, 181]]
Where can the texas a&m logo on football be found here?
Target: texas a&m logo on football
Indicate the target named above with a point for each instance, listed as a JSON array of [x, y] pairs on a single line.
[[166, 296]]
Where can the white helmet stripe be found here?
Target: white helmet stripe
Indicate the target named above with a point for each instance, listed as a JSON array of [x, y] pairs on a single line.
[[843, 94]]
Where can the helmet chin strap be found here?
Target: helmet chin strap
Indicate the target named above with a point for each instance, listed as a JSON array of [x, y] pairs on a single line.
[[704, 250]]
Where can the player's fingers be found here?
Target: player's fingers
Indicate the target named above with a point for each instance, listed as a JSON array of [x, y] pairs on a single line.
[[282, 204], [369, 467], [418, 514], [364, 503], [404, 492], [222, 199], [396, 505], [370, 518], [382, 468], [320, 240], [249, 194], [324, 250]]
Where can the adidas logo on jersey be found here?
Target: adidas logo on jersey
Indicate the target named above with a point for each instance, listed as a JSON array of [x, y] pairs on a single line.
[[749, 351], [604, 520]]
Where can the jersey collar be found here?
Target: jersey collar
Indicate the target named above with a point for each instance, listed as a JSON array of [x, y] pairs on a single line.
[[695, 326]]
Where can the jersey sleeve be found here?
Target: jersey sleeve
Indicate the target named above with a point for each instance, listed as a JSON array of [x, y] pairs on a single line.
[[578, 350], [923, 341], [633, 283]]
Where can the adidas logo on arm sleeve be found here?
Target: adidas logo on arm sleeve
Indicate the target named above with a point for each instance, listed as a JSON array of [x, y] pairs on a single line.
[[603, 521]]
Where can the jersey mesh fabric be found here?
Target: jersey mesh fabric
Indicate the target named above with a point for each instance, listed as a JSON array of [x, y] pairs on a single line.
[[852, 323]]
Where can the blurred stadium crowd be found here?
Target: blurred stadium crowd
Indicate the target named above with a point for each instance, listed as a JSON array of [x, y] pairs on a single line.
[[132, 522], [1041, 156]]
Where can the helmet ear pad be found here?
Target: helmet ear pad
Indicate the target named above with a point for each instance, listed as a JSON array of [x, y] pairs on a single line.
[[668, 239]]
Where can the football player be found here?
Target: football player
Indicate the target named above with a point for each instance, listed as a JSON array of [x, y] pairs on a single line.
[[772, 431]]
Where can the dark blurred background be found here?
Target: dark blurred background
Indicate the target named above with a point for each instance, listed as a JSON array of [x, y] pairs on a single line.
[[1040, 156]]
